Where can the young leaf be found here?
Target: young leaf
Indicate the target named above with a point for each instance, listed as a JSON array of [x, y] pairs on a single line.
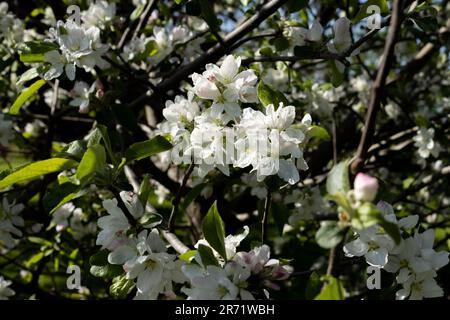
[[144, 149], [267, 95], [331, 291], [329, 234], [25, 95], [36, 170], [207, 256], [27, 75], [214, 230], [363, 12], [188, 255], [93, 159], [338, 180], [121, 286]]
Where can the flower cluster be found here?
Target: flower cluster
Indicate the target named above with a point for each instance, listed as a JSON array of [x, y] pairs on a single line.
[[99, 14], [231, 279], [69, 216], [199, 133], [413, 260], [5, 291], [144, 257], [79, 46], [157, 47], [11, 28], [425, 144], [9, 221]]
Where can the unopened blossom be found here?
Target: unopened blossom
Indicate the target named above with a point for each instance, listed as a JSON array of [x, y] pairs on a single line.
[[342, 39], [10, 220], [365, 187], [5, 291], [6, 130], [80, 95]]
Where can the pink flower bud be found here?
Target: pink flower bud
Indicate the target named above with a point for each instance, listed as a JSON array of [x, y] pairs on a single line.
[[366, 187]]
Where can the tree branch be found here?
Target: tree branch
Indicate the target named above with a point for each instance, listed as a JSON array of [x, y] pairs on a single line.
[[378, 87]]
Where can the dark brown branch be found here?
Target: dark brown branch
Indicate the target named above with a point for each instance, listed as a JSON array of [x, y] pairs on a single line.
[[378, 87]]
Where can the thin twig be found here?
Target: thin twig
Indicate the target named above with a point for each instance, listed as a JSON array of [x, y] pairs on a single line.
[[265, 217], [177, 199]]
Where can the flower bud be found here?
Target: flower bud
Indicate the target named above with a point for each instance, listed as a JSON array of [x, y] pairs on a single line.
[[365, 187]]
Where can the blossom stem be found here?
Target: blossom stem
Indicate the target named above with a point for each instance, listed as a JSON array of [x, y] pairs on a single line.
[[265, 217], [177, 199]]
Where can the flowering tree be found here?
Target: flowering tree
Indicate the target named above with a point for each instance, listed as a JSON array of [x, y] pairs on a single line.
[[193, 149]]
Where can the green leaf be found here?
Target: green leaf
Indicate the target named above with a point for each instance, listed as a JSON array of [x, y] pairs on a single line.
[[188, 255], [193, 8], [208, 14], [36, 170], [338, 180], [313, 286], [281, 43], [25, 95], [333, 290], [267, 95], [144, 190], [336, 77], [100, 258], [121, 286], [34, 51], [214, 230], [107, 271], [60, 195], [137, 12], [304, 52], [150, 220], [296, 5], [266, 51], [35, 259], [329, 234], [362, 13], [318, 132], [144, 149], [27, 75], [207, 256], [391, 229], [94, 159]]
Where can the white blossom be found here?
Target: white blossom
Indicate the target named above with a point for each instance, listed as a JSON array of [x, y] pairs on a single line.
[[9, 221], [100, 14], [115, 224], [80, 95], [79, 46], [5, 291]]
